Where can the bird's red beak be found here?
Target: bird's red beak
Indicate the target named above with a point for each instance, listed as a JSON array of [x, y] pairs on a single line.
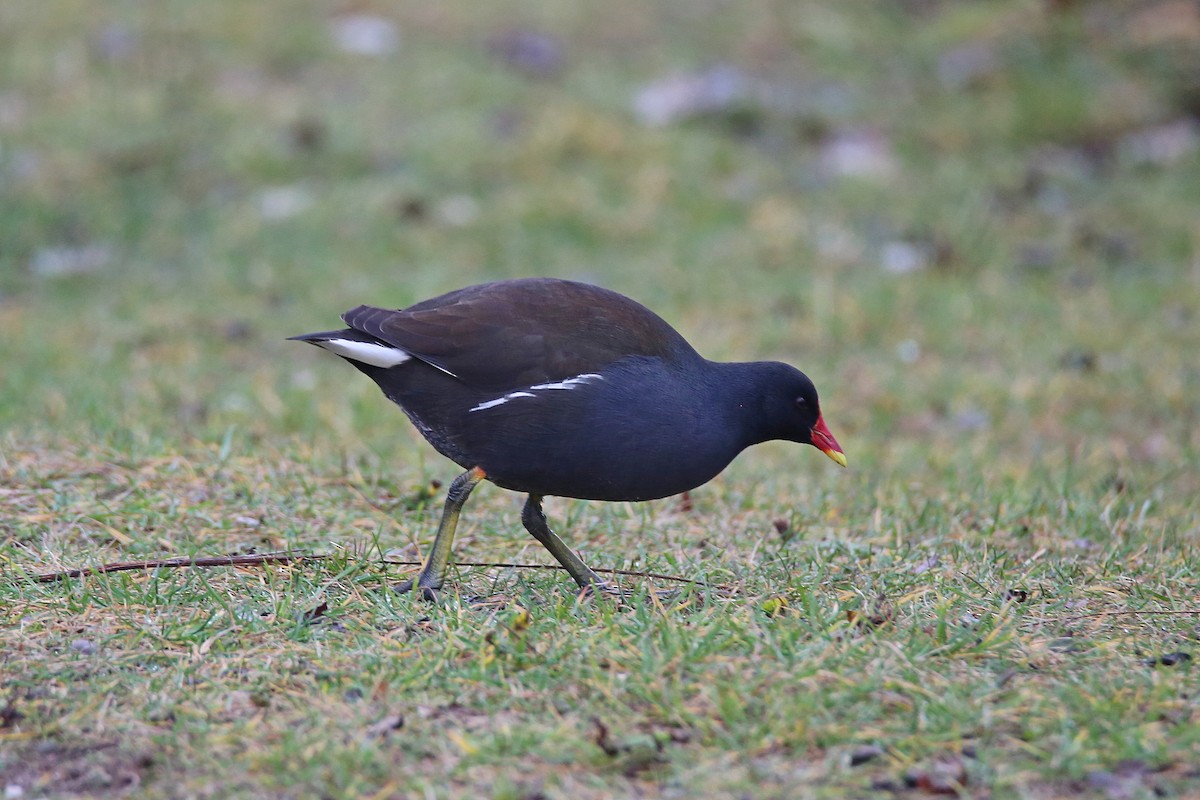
[[823, 440]]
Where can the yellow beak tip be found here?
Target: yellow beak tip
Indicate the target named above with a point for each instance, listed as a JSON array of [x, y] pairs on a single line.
[[837, 456]]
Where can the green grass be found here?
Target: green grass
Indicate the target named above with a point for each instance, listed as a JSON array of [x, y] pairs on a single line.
[[979, 597]]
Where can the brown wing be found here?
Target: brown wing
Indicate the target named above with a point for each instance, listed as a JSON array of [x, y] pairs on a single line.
[[509, 334]]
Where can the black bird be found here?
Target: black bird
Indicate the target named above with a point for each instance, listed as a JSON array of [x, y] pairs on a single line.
[[552, 387]]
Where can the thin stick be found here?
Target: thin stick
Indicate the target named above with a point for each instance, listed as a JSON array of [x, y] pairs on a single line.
[[505, 565], [289, 556], [1123, 612], [281, 557]]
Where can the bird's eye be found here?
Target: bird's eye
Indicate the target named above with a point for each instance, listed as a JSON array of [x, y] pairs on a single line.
[[801, 402]]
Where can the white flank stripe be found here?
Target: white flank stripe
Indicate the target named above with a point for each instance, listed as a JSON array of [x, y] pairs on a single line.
[[569, 383], [499, 401], [377, 355]]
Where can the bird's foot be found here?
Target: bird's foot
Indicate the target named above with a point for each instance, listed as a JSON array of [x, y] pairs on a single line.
[[611, 591], [600, 589], [430, 594]]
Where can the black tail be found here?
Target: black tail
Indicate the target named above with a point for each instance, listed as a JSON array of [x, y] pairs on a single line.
[[349, 334]]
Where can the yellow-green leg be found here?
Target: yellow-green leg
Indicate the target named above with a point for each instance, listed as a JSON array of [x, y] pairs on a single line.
[[535, 522], [433, 573]]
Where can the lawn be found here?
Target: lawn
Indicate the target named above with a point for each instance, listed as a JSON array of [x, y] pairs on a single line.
[[974, 225]]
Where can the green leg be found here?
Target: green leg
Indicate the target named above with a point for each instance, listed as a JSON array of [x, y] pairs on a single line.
[[535, 522], [433, 574]]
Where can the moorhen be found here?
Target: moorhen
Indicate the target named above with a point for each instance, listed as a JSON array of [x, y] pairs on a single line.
[[552, 387]]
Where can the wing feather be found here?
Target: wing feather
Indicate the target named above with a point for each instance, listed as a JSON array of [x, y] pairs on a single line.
[[508, 334]]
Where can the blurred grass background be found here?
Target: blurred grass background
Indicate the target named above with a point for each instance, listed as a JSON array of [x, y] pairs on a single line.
[[973, 212], [976, 225]]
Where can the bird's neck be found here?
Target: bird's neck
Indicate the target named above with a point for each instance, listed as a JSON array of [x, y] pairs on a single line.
[[741, 388]]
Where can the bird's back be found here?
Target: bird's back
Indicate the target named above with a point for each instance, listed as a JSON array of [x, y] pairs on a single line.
[[507, 334]]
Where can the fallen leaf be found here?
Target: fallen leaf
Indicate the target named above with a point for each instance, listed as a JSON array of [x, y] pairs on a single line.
[[314, 613], [1168, 660], [9, 715], [774, 606], [943, 775], [864, 753], [380, 729], [603, 739]]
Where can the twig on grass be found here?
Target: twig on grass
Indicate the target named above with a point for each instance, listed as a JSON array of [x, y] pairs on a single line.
[[507, 565], [289, 556], [1124, 612], [281, 557]]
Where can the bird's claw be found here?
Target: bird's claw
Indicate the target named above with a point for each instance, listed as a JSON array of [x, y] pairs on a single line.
[[609, 590], [429, 594]]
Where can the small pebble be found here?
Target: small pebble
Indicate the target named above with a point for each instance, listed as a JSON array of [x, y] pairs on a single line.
[[457, 210], [1162, 145], [55, 262], [533, 53], [858, 153], [85, 646], [284, 202], [365, 34], [903, 258], [967, 66], [908, 351], [972, 419], [683, 96]]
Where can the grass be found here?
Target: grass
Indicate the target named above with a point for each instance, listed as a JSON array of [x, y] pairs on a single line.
[[981, 605]]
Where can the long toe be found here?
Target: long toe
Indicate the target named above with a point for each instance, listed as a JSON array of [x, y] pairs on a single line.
[[625, 597], [428, 594], [600, 589]]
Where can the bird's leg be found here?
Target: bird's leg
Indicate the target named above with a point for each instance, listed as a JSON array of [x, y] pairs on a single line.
[[535, 522], [433, 573]]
